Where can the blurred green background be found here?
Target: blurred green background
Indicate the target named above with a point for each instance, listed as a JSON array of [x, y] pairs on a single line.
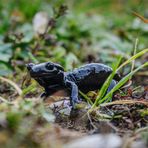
[[90, 31]]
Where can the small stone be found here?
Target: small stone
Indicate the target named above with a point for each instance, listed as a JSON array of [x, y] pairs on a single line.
[[96, 141]]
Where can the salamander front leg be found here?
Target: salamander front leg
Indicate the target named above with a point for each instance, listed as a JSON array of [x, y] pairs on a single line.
[[73, 91]]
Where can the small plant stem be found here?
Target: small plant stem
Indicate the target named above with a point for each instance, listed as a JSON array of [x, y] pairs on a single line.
[[135, 50]]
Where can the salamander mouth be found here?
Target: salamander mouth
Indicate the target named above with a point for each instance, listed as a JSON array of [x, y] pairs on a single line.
[[41, 75]]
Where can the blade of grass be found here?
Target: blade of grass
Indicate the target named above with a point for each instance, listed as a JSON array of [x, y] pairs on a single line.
[[86, 98], [104, 87], [133, 63], [133, 58], [122, 82], [135, 50], [107, 83], [28, 89]]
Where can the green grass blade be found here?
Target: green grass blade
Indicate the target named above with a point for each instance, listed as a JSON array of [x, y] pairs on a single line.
[[135, 50], [28, 89], [122, 82], [107, 83], [86, 98], [133, 58]]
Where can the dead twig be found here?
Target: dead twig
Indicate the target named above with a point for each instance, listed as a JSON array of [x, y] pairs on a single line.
[[140, 17], [88, 115], [124, 102], [19, 91]]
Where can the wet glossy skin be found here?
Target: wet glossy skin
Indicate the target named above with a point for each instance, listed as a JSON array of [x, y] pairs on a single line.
[[87, 78]]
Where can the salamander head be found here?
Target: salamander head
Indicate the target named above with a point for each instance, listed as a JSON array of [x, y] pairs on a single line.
[[45, 72], [44, 69]]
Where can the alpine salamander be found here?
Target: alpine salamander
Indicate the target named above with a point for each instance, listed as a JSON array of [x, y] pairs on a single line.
[[87, 78]]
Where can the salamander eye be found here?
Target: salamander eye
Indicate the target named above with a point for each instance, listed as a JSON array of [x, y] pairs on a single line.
[[50, 66]]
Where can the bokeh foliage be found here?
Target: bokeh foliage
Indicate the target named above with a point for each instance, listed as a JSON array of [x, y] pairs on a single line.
[[79, 36]]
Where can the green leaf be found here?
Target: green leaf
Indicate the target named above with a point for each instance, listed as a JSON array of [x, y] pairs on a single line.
[[5, 52], [5, 68], [71, 59]]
